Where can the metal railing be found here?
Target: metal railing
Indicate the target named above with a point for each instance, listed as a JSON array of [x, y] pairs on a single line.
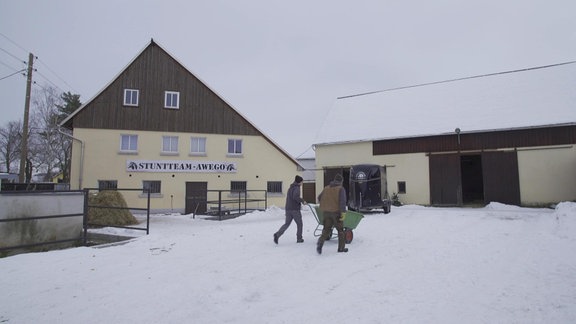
[[231, 202], [87, 206]]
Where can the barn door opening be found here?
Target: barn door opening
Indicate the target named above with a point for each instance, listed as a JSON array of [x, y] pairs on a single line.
[[472, 179]]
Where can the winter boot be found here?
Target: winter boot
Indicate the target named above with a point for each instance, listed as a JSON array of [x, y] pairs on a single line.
[[276, 238], [300, 240], [319, 248], [343, 250]]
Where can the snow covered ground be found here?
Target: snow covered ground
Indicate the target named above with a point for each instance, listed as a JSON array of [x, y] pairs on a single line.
[[497, 264]]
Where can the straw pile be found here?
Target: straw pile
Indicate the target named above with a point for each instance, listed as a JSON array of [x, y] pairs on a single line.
[[109, 216]]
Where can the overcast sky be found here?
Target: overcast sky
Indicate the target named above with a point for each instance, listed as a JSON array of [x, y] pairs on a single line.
[[281, 64]]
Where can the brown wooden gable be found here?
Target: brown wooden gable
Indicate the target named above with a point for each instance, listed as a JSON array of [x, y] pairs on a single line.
[[153, 72]]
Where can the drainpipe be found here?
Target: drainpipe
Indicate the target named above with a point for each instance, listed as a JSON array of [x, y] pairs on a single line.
[[81, 157]]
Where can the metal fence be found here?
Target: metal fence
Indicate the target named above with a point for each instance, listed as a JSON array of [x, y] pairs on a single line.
[[232, 203], [147, 209]]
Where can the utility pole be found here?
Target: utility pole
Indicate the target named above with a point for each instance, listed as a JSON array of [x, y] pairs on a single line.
[[24, 148]]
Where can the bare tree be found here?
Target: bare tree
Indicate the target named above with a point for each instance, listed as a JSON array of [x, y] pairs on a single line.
[[46, 143], [10, 138]]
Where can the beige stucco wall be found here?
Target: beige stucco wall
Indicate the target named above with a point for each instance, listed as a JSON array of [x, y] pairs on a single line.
[[410, 168], [261, 162], [547, 175]]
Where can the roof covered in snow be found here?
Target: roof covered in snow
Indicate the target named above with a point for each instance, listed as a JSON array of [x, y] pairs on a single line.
[[516, 99]]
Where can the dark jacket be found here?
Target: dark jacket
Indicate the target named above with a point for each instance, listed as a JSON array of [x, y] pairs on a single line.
[[293, 200], [333, 198]]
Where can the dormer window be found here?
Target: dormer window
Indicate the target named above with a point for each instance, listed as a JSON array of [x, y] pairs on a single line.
[[172, 100], [131, 97]]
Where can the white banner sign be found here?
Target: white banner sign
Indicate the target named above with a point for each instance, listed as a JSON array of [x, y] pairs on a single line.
[[179, 166]]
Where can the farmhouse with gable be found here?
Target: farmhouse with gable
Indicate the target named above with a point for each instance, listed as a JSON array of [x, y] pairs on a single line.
[[505, 137], [156, 126]]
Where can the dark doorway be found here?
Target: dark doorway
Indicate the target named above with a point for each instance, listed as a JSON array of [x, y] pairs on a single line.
[[196, 197], [330, 173], [472, 179], [309, 192]]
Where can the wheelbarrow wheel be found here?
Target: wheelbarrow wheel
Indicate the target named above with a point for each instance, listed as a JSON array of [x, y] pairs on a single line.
[[348, 235]]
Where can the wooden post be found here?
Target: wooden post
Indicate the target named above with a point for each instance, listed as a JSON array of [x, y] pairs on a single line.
[[24, 147]]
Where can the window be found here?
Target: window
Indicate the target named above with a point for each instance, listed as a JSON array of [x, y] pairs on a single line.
[[198, 145], [236, 186], [130, 97], [235, 146], [169, 144], [274, 187], [129, 143], [107, 184], [153, 186], [171, 99], [401, 187]]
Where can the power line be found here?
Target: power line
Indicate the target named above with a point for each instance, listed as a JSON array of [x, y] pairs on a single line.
[[12, 74], [38, 60], [12, 55], [49, 81], [52, 71], [459, 79], [14, 43], [8, 66]]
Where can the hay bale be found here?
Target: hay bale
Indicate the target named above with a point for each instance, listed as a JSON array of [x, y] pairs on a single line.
[[109, 216]]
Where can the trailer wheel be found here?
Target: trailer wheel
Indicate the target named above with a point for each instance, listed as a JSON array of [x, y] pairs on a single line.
[[348, 235]]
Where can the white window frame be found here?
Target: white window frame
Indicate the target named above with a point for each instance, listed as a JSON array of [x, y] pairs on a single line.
[[197, 145], [169, 144], [169, 98], [129, 95], [237, 147], [131, 142]]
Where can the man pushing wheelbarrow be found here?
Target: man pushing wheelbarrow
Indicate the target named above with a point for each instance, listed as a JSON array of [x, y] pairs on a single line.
[[333, 208]]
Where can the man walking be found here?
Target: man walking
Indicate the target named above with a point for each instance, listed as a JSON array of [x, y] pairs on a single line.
[[333, 207], [293, 205]]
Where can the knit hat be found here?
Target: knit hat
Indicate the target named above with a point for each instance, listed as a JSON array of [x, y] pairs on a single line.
[[298, 179], [338, 178]]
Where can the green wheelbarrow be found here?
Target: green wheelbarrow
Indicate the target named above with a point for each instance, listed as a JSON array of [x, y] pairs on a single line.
[[351, 220]]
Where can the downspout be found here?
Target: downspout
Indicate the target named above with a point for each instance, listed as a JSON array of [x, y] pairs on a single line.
[[81, 157]]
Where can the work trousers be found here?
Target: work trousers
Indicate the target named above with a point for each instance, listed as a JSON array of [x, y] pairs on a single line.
[[332, 219], [295, 215]]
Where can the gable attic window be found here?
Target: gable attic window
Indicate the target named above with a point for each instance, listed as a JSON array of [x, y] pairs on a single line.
[[172, 100], [129, 143], [131, 97]]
